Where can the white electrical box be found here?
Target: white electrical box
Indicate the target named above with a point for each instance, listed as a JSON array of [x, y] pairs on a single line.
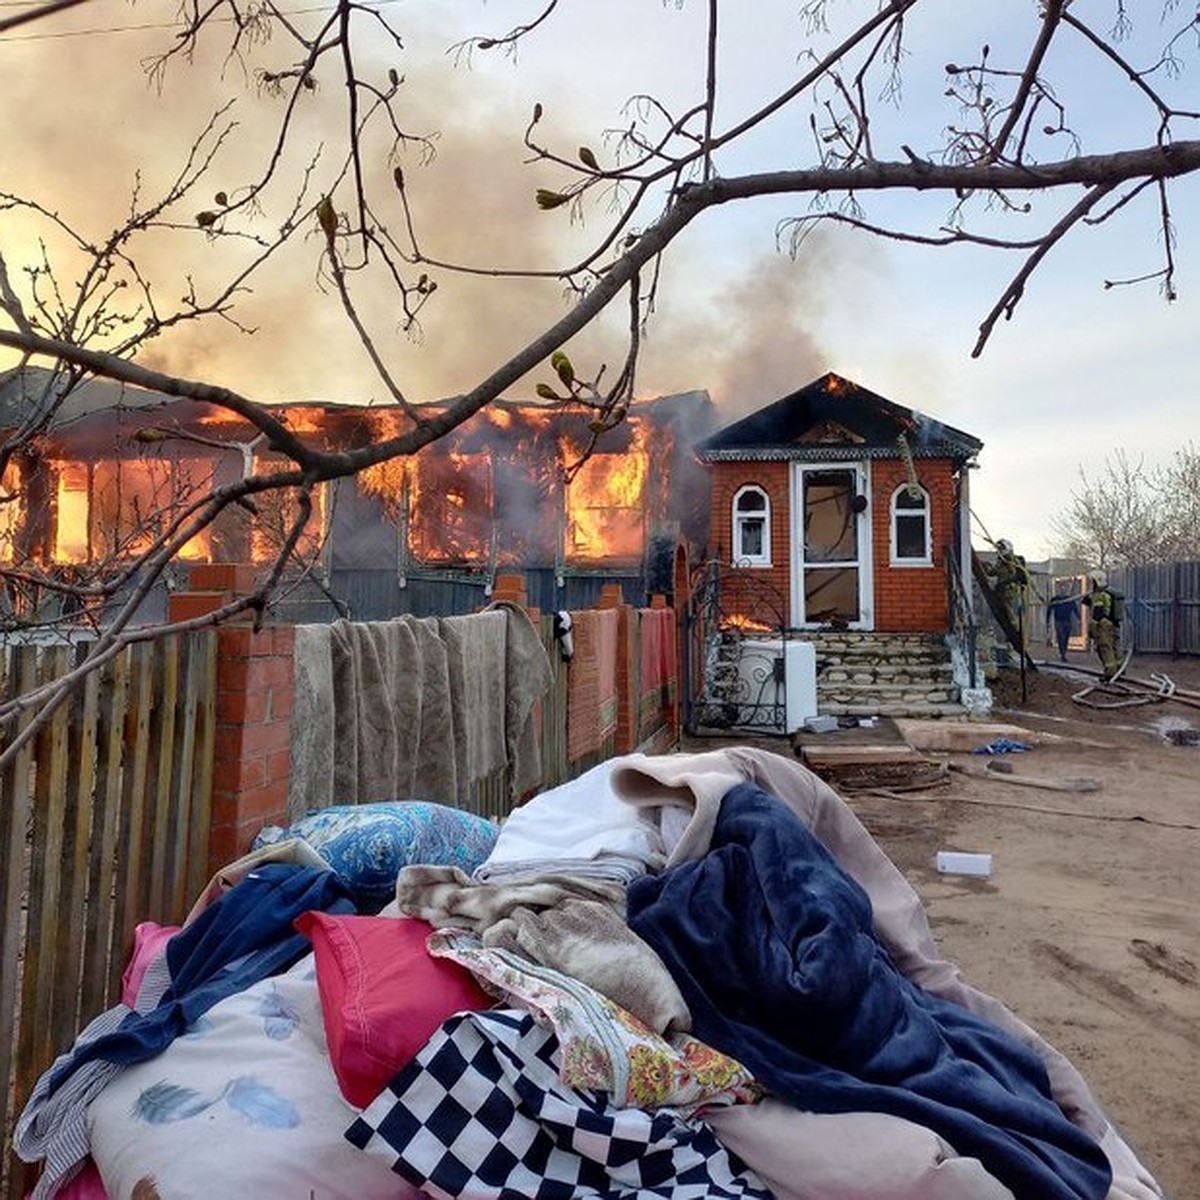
[[761, 662]]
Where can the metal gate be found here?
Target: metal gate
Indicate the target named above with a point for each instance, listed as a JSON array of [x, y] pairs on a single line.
[[735, 653]]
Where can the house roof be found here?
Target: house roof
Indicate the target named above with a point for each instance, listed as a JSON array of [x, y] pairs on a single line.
[[832, 418], [31, 390]]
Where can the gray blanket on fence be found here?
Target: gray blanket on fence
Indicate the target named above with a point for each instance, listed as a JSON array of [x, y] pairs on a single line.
[[476, 649], [529, 677], [377, 683], [415, 708], [435, 774], [310, 784], [575, 925]]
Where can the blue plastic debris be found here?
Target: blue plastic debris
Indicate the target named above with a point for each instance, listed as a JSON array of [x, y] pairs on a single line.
[[1002, 745]]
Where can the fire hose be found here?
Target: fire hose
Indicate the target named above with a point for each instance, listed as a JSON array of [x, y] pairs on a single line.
[[1133, 691]]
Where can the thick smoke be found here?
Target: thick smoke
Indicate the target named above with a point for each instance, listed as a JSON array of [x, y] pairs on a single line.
[[83, 143]]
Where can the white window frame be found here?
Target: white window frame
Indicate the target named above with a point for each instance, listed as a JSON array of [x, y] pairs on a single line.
[[741, 559], [926, 559]]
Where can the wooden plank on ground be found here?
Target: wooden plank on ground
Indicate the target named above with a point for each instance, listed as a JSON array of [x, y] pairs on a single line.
[[837, 756], [946, 735], [1070, 783]]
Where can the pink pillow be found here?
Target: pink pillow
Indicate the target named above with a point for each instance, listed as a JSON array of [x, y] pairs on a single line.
[[382, 995], [149, 938]]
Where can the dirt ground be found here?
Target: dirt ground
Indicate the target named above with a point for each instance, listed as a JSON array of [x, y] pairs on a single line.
[[1089, 925]]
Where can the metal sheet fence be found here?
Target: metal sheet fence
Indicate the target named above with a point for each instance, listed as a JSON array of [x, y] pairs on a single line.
[[104, 822]]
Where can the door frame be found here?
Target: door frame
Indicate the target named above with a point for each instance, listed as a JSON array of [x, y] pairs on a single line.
[[865, 560]]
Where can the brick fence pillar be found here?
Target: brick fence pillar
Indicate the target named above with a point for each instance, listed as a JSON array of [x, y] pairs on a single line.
[[252, 752], [510, 587]]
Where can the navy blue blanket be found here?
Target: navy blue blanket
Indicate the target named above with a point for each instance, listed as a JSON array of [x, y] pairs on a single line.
[[245, 935], [771, 943]]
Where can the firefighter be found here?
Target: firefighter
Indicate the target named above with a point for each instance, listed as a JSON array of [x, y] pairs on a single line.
[[1107, 608], [1011, 576]]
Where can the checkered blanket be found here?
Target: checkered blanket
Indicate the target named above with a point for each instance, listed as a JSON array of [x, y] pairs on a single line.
[[481, 1114]]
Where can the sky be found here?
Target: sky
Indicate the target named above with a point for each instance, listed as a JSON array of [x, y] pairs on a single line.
[[1080, 372]]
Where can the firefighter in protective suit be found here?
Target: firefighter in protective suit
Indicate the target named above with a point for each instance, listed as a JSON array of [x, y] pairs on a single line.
[[1011, 578], [1107, 609]]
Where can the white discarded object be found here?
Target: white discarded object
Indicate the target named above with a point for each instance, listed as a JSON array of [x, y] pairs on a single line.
[[977, 701], [958, 862], [821, 724]]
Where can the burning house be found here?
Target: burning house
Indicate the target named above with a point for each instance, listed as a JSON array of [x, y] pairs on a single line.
[[839, 563], [850, 506], [511, 490]]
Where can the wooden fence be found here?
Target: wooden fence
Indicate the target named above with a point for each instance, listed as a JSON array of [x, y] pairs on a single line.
[[104, 822], [1162, 607]]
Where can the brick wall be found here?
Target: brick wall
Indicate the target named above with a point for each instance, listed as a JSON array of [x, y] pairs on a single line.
[[772, 477], [252, 752], [907, 598], [911, 598]]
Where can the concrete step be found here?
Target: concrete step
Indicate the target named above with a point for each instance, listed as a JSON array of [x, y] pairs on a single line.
[[892, 708], [886, 693], [939, 673], [898, 642]]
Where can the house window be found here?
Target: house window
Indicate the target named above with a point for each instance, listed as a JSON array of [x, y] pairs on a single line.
[[910, 526], [751, 527]]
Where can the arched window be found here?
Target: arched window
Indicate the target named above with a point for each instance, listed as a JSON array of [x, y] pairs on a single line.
[[751, 527], [911, 541]]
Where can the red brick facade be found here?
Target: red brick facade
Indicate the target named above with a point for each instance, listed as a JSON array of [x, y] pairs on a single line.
[[911, 599], [908, 598], [728, 478]]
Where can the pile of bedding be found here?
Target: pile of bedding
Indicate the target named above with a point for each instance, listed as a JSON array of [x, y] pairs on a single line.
[[682, 976]]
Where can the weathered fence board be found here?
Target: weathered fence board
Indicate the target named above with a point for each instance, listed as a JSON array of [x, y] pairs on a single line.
[[16, 805], [1162, 607], [103, 823]]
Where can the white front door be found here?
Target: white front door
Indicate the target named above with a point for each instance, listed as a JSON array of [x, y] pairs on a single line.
[[831, 545]]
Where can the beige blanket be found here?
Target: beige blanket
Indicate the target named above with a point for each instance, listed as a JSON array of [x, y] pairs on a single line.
[[575, 925]]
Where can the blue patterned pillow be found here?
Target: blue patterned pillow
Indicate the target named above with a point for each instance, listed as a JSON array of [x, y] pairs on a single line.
[[368, 844]]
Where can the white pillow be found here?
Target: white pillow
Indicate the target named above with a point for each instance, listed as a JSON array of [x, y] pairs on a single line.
[[244, 1104]]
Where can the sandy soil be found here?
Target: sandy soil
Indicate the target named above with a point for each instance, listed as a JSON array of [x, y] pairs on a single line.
[[1089, 925]]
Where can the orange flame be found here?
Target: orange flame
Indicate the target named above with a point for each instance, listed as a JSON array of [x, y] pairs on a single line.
[[10, 512], [746, 623], [491, 492], [606, 504]]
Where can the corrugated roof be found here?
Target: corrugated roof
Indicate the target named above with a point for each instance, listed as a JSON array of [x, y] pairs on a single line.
[[833, 417]]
